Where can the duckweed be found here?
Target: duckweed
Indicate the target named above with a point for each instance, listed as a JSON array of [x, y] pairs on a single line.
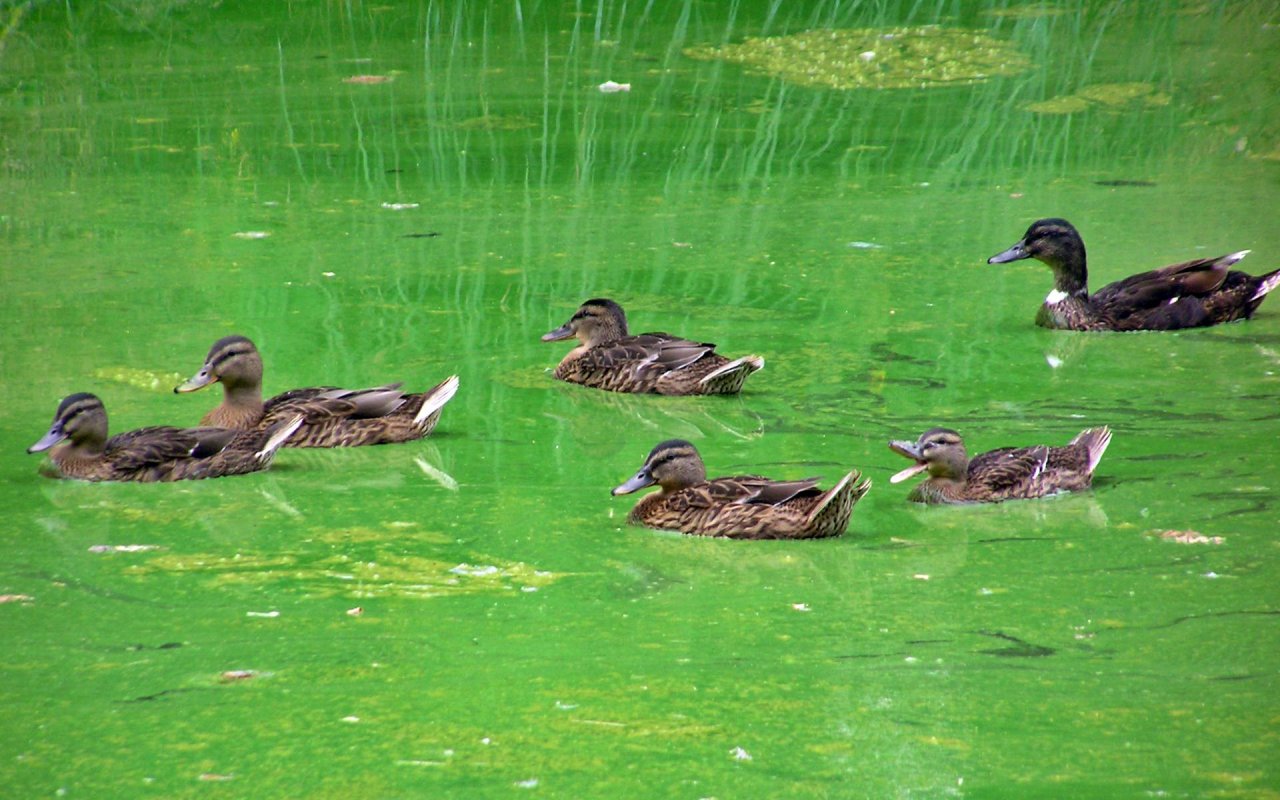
[[875, 58]]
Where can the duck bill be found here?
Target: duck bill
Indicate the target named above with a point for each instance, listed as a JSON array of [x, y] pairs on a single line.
[[911, 451], [1014, 253], [640, 480], [565, 331], [200, 380], [51, 438]]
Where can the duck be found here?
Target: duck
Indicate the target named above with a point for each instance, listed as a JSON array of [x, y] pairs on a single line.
[[654, 363], [332, 417], [740, 507], [154, 454], [1192, 294], [1010, 473]]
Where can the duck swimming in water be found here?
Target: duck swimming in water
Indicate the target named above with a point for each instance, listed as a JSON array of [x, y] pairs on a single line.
[[331, 417], [741, 507], [1010, 473], [658, 363], [1188, 295]]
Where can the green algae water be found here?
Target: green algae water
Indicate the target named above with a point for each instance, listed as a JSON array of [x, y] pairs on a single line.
[[403, 191]]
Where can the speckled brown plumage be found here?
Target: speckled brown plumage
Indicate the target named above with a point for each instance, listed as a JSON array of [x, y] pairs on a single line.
[[332, 417], [740, 507], [1188, 295], [1009, 473], [82, 450], [658, 363]]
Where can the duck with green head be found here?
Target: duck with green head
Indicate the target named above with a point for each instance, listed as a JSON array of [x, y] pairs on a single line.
[[658, 363], [1010, 473], [740, 507], [1192, 294]]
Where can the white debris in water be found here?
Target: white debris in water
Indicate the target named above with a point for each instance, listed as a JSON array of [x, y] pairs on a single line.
[[123, 548], [267, 614], [609, 87], [801, 606], [865, 245], [1053, 360], [474, 572], [399, 206], [739, 754], [531, 783], [251, 234], [868, 55]]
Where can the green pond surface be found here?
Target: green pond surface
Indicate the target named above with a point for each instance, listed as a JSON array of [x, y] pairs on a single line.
[[404, 191]]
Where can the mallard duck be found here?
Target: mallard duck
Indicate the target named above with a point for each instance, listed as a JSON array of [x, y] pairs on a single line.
[[1010, 473], [152, 454], [742, 507], [657, 363], [1189, 295], [331, 417]]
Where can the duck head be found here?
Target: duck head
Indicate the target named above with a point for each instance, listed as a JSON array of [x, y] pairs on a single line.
[[940, 451], [233, 361], [595, 322], [80, 418], [1056, 243], [673, 465]]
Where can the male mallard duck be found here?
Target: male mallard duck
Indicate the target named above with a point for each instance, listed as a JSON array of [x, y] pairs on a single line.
[[1190, 295], [659, 363], [152, 454], [742, 507], [331, 417], [1010, 473]]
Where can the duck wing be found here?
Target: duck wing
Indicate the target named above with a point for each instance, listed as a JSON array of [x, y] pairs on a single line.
[[145, 447], [742, 489], [1009, 468], [1159, 291]]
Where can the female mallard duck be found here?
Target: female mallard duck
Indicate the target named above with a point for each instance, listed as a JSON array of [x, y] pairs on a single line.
[[657, 363], [152, 454], [742, 507], [1190, 295], [1010, 473], [331, 417]]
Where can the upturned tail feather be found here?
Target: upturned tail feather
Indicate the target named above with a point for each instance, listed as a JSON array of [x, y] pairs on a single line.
[[442, 394], [1095, 441], [1269, 282], [731, 376], [278, 438], [858, 492]]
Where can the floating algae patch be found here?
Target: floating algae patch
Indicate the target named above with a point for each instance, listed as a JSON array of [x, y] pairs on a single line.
[[875, 58], [386, 575], [140, 378], [1117, 96]]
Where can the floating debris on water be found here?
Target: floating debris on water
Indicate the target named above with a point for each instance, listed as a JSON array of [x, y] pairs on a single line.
[[609, 87], [123, 548], [1189, 537], [739, 754], [875, 58], [865, 246], [1115, 96], [399, 206], [15, 598], [251, 234], [367, 80], [263, 614]]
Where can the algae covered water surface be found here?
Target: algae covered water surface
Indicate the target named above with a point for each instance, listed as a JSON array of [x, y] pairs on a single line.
[[405, 191]]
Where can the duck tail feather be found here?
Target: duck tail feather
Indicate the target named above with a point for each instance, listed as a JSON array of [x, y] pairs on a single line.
[[436, 399]]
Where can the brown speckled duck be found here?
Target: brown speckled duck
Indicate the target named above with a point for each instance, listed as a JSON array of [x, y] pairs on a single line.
[[742, 507], [657, 363], [83, 451], [1188, 295], [1010, 473], [331, 417]]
